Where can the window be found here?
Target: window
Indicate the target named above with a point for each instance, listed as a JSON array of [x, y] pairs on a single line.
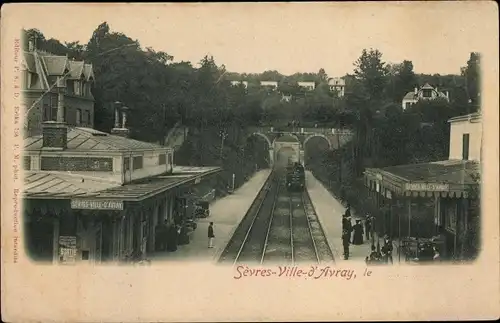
[[78, 117], [88, 118], [427, 93], [53, 108], [137, 162], [407, 105], [46, 112], [27, 162], [76, 87], [162, 159], [70, 88], [465, 146], [126, 164]]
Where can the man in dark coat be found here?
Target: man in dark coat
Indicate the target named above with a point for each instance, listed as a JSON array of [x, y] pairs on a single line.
[[387, 250], [172, 238], [345, 242], [368, 227], [211, 235], [347, 213]]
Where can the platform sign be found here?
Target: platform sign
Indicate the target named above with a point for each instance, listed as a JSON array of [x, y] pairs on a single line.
[[67, 249], [427, 187], [96, 204]]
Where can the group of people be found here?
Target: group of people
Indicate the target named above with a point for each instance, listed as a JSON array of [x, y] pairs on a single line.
[[382, 256], [167, 236], [353, 233]]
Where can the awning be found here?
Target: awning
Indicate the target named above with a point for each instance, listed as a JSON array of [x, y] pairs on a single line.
[[57, 186], [450, 178]]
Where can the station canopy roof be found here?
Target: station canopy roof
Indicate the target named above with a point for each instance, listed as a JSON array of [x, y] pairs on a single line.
[[453, 178], [61, 185], [88, 139]]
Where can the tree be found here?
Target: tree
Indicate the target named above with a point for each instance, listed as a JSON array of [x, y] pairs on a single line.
[[404, 81], [322, 76], [372, 73], [472, 78]]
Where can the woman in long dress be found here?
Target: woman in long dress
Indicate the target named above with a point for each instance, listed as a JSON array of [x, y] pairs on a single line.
[[358, 233]]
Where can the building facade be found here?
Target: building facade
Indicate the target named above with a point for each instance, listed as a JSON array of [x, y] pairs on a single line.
[[46, 75], [91, 196], [437, 199], [308, 86], [273, 85], [426, 92], [337, 84]]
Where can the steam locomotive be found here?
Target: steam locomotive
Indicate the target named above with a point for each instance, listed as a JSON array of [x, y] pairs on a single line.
[[295, 177]]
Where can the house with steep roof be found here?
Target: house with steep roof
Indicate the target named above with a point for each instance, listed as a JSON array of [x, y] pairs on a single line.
[[436, 201], [45, 75], [426, 92]]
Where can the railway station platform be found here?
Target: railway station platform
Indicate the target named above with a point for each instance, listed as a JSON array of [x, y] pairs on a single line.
[[329, 211], [226, 213]]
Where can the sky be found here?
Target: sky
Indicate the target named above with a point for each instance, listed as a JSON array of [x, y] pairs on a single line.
[[437, 37]]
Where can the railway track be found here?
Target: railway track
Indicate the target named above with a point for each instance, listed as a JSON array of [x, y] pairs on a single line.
[[280, 227]]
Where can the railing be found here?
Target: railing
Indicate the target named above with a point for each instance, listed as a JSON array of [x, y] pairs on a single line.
[[305, 131]]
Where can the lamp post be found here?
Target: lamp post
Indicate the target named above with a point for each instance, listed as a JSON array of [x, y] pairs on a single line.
[[223, 135]]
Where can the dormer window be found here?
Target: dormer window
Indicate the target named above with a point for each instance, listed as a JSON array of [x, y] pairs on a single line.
[[427, 93]]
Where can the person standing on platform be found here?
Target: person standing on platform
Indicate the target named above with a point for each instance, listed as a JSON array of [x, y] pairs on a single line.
[[357, 237], [172, 238], [387, 250], [163, 235], [347, 213], [211, 235], [368, 226], [346, 237]]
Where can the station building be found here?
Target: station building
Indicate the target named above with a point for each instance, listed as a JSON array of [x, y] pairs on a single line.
[[439, 198], [92, 197]]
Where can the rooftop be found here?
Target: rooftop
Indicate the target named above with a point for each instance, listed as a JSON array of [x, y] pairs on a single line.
[[63, 185], [470, 116], [88, 139], [56, 65], [448, 171]]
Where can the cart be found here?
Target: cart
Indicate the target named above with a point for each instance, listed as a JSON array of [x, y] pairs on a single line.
[[419, 250], [202, 209]]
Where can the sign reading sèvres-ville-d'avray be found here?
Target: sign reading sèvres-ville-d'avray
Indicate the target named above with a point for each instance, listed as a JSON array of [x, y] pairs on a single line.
[[96, 204], [427, 187]]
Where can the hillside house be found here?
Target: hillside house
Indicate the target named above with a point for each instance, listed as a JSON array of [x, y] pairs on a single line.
[[337, 84], [309, 86], [426, 92]]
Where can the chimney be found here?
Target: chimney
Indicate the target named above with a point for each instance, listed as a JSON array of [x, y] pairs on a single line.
[[55, 133], [416, 90], [120, 130], [117, 117]]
